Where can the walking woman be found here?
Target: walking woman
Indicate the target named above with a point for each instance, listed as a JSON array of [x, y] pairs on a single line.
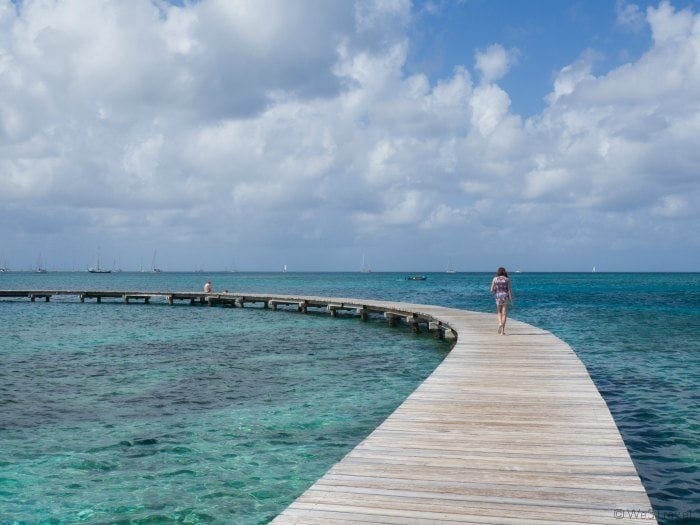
[[500, 288]]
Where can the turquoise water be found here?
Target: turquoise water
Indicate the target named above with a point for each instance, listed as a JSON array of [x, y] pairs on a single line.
[[154, 413]]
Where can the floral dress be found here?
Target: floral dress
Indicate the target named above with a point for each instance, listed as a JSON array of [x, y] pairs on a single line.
[[501, 289]]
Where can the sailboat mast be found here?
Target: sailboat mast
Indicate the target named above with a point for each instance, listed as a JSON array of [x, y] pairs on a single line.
[[154, 268]]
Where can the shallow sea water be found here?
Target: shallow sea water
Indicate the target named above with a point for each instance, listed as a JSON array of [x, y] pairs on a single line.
[[131, 413]]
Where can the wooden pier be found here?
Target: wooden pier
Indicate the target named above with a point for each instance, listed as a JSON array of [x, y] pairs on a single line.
[[507, 429]]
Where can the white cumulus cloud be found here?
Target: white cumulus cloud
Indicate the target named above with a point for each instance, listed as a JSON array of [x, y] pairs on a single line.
[[494, 62], [292, 126]]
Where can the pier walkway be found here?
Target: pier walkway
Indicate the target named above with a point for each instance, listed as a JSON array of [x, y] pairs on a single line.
[[507, 429]]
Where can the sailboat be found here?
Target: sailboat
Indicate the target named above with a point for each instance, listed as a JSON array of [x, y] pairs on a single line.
[[97, 269], [284, 269], [449, 268], [39, 266], [153, 263], [365, 268]]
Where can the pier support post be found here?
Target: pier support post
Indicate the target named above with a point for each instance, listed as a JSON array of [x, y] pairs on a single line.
[[413, 323], [304, 307], [274, 306], [170, 300], [99, 299], [126, 299], [32, 298], [82, 297], [439, 330], [392, 318], [363, 313], [266, 305]]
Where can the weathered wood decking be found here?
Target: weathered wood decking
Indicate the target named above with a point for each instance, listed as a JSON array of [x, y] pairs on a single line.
[[508, 429]]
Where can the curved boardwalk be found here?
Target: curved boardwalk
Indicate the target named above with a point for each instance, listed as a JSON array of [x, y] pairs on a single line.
[[508, 429]]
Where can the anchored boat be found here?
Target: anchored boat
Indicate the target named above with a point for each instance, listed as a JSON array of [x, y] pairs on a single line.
[[97, 269]]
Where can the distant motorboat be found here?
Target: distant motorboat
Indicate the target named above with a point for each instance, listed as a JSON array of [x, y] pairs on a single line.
[[416, 278]]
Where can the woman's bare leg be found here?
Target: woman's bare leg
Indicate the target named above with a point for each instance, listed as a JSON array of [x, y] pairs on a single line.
[[504, 313]]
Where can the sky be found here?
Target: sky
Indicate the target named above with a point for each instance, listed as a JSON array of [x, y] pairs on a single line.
[[555, 135]]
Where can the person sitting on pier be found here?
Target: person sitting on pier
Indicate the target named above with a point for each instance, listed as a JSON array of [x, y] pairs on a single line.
[[207, 287]]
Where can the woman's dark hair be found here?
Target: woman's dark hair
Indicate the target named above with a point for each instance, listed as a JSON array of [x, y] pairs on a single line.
[[502, 272]]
